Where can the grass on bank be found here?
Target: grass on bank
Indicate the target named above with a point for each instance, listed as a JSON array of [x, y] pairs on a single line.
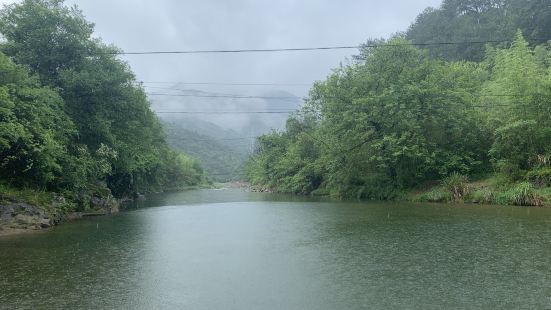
[[34, 197], [491, 190]]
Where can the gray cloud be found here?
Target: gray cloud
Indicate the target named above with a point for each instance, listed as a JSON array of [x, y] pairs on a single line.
[[221, 24]]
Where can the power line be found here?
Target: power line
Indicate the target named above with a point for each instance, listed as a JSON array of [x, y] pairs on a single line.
[[223, 96], [366, 109], [269, 50], [226, 174], [204, 92], [213, 95], [299, 49], [225, 112], [237, 50], [230, 84], [217, 139]]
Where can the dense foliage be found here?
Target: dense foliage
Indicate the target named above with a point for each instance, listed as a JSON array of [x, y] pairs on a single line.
[[71, 113], [395, 118], [479, 21]]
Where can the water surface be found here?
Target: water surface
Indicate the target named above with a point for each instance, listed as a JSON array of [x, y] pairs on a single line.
[[228, 249]]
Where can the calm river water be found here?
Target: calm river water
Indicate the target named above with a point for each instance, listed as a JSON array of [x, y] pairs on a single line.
[[228, 249]]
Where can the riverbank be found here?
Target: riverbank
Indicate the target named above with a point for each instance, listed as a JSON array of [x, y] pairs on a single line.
[[24, 211], [27, 210], [20, 217], [489, 191]]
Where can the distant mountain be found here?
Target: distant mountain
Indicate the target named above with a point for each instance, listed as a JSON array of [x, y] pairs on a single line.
[[221, 158], [199, 126], [215, 132], [225, 110]]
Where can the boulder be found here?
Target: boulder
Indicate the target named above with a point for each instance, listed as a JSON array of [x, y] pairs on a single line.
[[18, 215], [45, 223]]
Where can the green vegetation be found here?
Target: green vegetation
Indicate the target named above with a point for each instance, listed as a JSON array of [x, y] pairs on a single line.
[[221, 162], [395, 117], [457, 185], [478, 21], [35, 197], [72, 117], [489, 192]]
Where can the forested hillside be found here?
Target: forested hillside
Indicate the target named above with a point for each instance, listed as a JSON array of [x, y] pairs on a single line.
[[395, 118], [224, 110], [209, 130], [222, 158], [479, 21], [72, 117]]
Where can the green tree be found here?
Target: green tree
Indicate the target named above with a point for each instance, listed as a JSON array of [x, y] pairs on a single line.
[[521, 117], [477, 21], [114, 136], [34, 130], [387, 121]]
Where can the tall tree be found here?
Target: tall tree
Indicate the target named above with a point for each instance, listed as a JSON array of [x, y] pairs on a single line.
[[469, 21], [34, 130], [389, 120], [118, 138], [521, 116]]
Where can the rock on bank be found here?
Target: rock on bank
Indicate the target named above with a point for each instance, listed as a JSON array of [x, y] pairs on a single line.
[[18, 217]]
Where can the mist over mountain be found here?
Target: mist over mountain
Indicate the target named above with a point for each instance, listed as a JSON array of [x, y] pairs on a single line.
[[219, 127], [232, 111]]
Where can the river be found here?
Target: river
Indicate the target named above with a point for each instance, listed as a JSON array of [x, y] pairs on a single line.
[[229, 249]]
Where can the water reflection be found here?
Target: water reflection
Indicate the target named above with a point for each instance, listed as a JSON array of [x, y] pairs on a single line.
[[230, 249], [87, 264]]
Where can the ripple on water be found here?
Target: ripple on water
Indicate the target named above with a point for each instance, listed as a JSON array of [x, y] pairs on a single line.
[[235, 250]]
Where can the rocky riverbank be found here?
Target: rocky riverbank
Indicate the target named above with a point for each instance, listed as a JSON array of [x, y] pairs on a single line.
[[18, 216]]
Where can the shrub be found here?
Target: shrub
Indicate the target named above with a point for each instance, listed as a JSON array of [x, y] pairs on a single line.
[[482, 195], [510, 172], [524, 194], [542, 160], [457, 184], [438, 194], [540, 177]]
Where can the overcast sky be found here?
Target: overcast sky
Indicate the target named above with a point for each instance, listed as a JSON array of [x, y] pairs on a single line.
[[244, 24]]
